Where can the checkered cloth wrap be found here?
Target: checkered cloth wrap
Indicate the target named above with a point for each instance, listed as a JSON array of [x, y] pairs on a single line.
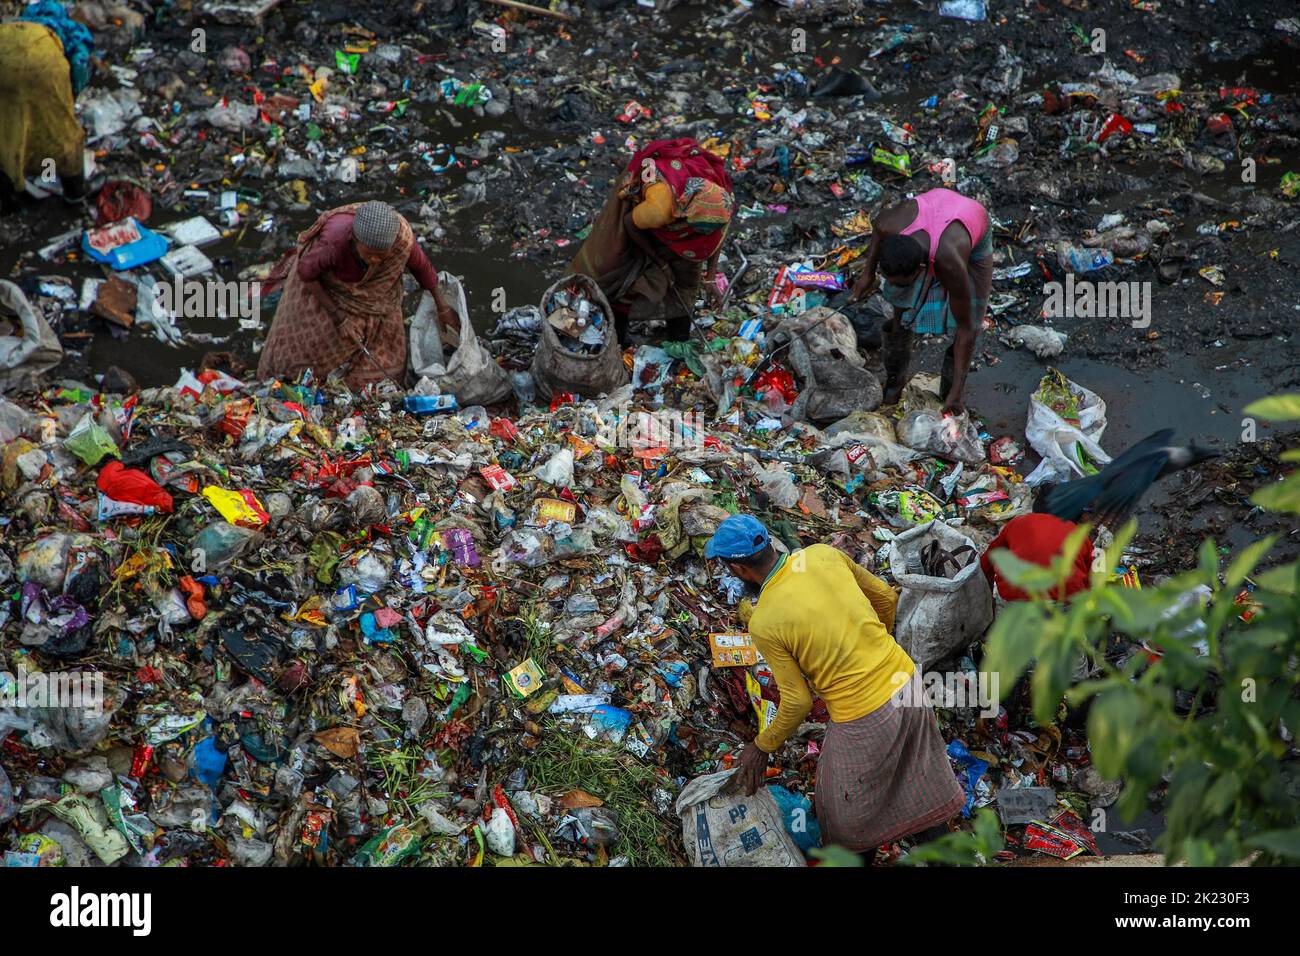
[[376, 224], [885, 776]]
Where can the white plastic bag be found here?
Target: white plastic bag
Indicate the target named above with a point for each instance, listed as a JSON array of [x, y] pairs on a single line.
[[15, 421], [33, 351], [1043, 342], [471, 374], [111, 112], [954, 437], [733, 829], [558, 469], [232, 116], [1059, 442], [885, 453], [936, 616], [778, 484]]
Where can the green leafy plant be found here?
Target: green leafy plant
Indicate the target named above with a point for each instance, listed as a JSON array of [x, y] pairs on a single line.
[[564, 762], [974, 847], [836, 856], [1232, 788], [1283, 496]]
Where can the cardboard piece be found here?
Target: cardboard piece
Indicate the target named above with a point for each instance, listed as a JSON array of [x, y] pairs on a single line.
[[1024, 804], [115, 302], [732, 650]]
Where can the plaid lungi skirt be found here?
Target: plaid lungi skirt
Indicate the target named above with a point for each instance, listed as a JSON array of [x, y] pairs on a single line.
[[884, 776]]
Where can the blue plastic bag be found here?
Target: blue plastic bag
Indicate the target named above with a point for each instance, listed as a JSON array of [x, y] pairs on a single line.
[[797, 817], [209, 762], [149, 247], [974, 769]]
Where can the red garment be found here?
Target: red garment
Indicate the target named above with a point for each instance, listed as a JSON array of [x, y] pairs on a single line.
[[1038, 539], [132, 486], [677, 161], [333, 252]]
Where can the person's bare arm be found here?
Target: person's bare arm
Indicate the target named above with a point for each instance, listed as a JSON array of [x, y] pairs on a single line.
[[420, 267], [889, 220], [711, 293], [953, 273], [862, 288]]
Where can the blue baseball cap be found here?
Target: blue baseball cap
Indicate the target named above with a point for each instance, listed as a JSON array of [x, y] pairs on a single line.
[[739, 536]]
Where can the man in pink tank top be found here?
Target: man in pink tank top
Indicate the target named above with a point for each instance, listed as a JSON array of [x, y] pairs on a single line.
[[935, 253]]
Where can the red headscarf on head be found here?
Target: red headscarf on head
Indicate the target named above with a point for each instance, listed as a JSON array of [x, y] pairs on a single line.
[[677, 161], [692, 160]]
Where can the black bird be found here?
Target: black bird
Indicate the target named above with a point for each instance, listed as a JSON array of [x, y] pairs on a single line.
[[1114, 491]]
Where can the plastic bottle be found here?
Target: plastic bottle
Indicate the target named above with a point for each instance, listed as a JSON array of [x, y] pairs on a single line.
[[972, 10], [429, 404], [1080, 259], [898, 134]]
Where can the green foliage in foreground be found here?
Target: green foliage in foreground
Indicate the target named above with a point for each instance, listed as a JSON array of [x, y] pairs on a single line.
[[1233, 793]]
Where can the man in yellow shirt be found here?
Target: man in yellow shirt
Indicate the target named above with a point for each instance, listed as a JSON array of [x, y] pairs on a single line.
[[822, 623]]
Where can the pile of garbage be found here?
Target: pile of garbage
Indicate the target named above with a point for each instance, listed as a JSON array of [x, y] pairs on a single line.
[[364, 629], [579, 323], [215, 158], [450, 626]]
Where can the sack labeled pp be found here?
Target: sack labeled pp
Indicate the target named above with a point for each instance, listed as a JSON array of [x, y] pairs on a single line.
[[938, 614], [732, 829], [471, 374], [557, 369]]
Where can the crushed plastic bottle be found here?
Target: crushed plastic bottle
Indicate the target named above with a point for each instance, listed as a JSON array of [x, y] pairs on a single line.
[[972, 10], [1076, 258]]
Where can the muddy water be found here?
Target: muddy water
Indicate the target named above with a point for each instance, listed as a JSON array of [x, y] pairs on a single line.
[[1200, 390]]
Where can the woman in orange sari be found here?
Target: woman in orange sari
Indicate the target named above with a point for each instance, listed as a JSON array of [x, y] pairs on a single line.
[[659, 233]]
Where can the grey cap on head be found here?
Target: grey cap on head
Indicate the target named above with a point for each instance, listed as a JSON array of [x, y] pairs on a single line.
[[376, 224]]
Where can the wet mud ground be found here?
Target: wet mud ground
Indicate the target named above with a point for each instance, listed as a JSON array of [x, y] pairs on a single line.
[[1194, 369]]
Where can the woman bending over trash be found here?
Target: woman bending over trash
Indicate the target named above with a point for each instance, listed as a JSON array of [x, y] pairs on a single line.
[[822, 623], [662, 226], [46, 59], [341, 310], [940, 235]]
